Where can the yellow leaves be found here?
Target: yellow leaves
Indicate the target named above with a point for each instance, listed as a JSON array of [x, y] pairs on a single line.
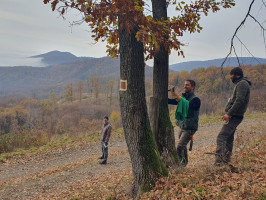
[[139, 8], [112, 50], [154, 40]]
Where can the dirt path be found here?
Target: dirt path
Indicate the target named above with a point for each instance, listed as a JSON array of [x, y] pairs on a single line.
[[40, 177]]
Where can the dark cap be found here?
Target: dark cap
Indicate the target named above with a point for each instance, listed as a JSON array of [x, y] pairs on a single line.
[[106, 117]]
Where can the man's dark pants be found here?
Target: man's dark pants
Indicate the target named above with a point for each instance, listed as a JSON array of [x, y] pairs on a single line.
[[225, 140], [104, 151], [184, 138]]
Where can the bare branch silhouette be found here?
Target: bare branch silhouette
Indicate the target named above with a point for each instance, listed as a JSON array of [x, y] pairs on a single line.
[[263, 3], [257, 22], [263, 29], [232, 47], [237, 29], [248, 50]]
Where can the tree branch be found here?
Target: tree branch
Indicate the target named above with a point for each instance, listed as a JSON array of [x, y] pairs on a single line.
[[232, 39], [247, 49], [257, 22], [263, 29], [232, 48], [236, 56], [263, 3]]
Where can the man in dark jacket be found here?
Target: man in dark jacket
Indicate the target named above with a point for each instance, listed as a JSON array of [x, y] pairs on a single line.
[[234, 109], [190, 125], [105, 135]]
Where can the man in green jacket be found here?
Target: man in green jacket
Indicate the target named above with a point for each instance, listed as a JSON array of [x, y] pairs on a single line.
[[234, 114], [189, 124]]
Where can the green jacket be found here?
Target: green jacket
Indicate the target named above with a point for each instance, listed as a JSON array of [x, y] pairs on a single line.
[[182, 109], [238, 102], [191, 121]]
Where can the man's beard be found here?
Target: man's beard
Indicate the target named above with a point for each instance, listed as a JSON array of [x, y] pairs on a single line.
[[234, 79]]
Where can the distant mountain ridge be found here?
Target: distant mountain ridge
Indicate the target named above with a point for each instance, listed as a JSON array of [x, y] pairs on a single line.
[[28, 80], [230, 62]]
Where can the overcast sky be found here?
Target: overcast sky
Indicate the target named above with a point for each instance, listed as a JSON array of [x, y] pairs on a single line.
[[28, 27]]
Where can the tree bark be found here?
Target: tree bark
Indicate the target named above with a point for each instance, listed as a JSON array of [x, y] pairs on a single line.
[[165, 136], [154, 114], [146, 162]]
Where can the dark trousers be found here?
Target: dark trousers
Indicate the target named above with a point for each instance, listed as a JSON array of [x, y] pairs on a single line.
[[184, 138], [225, 140], [104, 151]]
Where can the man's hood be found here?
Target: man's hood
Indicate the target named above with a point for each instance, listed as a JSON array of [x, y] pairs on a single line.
[[244, 78]]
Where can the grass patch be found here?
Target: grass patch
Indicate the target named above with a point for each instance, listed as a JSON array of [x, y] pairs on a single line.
[[23, 140], [254, 115], [217, 119], [206, 119], [200, 189]]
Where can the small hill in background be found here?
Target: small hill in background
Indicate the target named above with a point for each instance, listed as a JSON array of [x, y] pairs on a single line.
[[57, 57]]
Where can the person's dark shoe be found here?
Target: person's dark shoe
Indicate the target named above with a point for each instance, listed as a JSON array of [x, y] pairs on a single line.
[[101, 157], [103, 162]]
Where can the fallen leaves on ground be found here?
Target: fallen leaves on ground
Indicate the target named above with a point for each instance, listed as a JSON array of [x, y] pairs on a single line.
[[211, 182]]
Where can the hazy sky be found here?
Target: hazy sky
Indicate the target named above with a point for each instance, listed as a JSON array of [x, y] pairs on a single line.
[[28, 27]]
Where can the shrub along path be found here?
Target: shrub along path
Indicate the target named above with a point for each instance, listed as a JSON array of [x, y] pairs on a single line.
[[76, 174]]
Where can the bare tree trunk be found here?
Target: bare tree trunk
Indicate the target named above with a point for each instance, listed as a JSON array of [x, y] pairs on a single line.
[[165, 136], [146, 163]]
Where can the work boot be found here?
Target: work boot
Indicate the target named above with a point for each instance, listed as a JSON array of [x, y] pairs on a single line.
[[103, 162]]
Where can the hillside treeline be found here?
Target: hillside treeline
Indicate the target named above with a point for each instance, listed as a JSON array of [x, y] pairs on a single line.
[[26, 123]]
